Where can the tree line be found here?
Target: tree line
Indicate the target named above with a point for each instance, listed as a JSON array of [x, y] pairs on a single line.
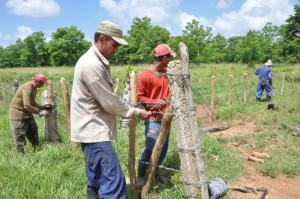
[[279, 43]]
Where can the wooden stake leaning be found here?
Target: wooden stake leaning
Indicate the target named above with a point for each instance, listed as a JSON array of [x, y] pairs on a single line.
[[132, 128], [163, 134]]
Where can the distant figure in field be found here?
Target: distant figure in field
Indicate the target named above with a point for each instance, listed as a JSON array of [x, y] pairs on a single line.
[[21, 109], [94, 107], [264, 74]]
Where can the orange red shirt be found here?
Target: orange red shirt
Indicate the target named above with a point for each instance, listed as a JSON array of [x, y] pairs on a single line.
[[152, 87]]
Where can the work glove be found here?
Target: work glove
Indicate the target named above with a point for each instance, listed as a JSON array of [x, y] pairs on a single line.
[[47, 107], [43, 113]]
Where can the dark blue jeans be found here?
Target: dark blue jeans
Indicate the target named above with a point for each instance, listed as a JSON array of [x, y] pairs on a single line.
[[103, 171], [152, 129]]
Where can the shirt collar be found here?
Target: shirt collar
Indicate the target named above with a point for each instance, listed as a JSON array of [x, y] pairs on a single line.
[[103, 59]]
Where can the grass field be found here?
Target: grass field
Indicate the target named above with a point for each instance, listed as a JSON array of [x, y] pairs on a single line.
[[55, 170]]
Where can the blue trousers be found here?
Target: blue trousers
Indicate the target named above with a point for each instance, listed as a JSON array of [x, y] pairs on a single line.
[[103, 171], [152, 129], [261, 87]]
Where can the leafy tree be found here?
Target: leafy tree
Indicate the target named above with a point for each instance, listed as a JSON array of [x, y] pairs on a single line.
[[218, 48], [66, 46], [291, 37], [11, 55], [35, 52], [199, 36], [250, 52], [142, 39], [269, 42], [231, 50]]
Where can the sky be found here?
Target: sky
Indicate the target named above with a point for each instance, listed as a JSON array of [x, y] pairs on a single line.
[[20, 18]]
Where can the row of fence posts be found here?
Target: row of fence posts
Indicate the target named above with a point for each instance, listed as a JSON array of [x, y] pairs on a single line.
[[212, 115], [183, 110]]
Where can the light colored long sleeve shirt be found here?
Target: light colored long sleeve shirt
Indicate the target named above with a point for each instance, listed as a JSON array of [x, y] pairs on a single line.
[[94, 105]]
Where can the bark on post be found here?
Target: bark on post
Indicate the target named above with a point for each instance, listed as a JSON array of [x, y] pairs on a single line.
[[245, 87], [230, 90], [212, 99], [67, 106], [5, 95], [193, 120], [126, 97], [50, 117], [132, 128], [66, 100], [163, 134], [293, 83], [16, 85], [282, 85], [183, 130]]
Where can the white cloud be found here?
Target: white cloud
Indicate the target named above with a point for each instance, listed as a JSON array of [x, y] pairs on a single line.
[[6, 36], [253, 15], [33, 8], [23, 32], [160, 12], [223, 4], [185, 18]]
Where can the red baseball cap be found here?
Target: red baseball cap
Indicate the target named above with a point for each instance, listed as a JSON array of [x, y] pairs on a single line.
[[40, 77], [163, 49]]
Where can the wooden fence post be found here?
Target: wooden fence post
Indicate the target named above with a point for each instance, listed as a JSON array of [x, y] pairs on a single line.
[[159, 144], [67, 106], [245, 87], [293, 83], [16, 85], [212, 99], [66, 100], [193, 120], [5, 95], [183, 130], [282, 85], [126, 97], [132, 128], [50, 119], [230, 90]]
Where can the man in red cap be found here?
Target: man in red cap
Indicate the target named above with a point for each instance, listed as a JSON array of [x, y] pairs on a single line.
[[154, 94], [21, 111]]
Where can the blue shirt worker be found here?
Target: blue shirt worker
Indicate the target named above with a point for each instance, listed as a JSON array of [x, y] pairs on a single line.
[[264, 74]]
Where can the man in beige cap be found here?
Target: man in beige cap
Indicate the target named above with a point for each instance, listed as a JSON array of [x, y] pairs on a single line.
[[264, 74], [94, 107]]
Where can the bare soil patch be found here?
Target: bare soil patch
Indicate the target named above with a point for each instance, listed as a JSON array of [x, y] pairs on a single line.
[[280, 187]]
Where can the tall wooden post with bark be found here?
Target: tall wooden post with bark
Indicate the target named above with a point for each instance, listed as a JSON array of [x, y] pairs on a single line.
[[186, 127], [48, 97], [132, 127], [245, 87]]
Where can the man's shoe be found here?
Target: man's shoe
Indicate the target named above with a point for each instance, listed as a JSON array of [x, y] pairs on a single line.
[[21, 150], [258, 99], [140, 181], [159, 177], [141, 176]]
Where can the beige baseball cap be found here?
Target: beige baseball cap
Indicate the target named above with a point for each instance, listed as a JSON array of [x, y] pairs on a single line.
[[111, 29]]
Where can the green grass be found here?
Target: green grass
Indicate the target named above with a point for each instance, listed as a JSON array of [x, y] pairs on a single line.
[[55, 170]]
